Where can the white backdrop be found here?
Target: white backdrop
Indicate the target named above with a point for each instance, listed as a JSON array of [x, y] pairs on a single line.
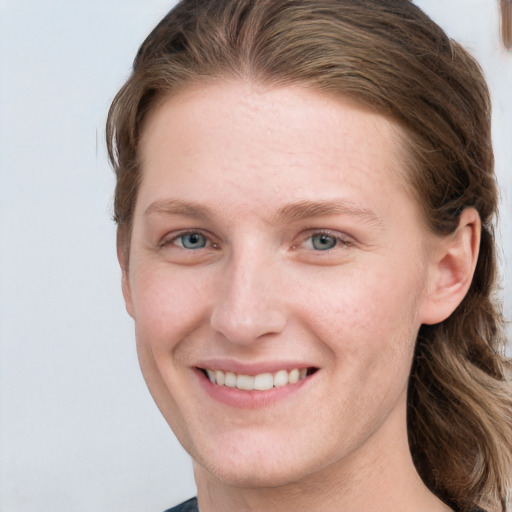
[[78, 429]]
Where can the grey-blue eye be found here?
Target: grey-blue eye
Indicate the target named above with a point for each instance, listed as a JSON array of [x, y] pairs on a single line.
[[323, 242], [193, 241]]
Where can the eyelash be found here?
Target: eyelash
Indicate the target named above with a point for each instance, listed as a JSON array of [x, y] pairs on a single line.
[[339, 240], [170, 241]]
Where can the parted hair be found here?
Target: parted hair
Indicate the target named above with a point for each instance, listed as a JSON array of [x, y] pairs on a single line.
[[391, 57]]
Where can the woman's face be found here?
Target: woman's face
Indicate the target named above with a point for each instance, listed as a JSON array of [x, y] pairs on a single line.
[[276, 246]]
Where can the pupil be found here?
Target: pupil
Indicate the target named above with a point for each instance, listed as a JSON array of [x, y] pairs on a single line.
[[323, 242], [193, 241]]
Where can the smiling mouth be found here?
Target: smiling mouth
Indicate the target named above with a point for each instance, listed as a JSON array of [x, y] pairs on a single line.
[[260, 382]]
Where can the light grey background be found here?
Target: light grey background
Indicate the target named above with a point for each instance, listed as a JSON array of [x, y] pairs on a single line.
[[78, 429]]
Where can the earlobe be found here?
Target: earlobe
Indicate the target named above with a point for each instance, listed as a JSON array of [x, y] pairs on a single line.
[[122, 257], [452, 268]]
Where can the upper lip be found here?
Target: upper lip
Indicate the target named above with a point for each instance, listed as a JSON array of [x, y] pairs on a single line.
[[255, 368]]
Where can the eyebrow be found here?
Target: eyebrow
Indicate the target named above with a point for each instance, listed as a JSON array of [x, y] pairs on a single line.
[[308, 209], [293, 212], [178, 207]]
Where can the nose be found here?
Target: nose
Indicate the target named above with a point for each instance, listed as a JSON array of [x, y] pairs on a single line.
[[248, 305]]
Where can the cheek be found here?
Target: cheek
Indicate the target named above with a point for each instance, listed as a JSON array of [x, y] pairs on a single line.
[[167, 305], [370, 318]]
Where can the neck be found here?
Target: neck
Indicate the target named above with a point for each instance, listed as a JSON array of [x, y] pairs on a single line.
[[379, 475]]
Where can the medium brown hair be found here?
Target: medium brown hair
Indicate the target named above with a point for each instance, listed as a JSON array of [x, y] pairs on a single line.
[[389, 56]]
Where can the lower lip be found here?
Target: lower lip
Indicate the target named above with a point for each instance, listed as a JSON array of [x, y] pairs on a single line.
[[235, 397]]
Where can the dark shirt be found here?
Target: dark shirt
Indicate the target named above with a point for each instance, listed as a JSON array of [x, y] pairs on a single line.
[[191, 506], [187, 506]]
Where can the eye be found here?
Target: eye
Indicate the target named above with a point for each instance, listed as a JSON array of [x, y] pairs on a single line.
[[189, 247], [323, 242], [323, 247], [191, 241]]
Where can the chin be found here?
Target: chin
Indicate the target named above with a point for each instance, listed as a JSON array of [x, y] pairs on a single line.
[[255, 476], [257, 465]]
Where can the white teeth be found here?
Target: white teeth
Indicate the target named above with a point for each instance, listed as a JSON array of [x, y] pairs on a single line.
[[245, 382], [260, 382], [230, 380], [281, 378], [293, 377], [263, 381], [220, 377]]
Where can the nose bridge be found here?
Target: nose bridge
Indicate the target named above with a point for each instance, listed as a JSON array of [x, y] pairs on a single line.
[[248, 305]]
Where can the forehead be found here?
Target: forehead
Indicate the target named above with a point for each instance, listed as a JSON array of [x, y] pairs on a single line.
[[256, 110], [262, 141]]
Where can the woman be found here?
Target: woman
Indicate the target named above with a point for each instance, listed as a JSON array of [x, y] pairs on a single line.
[[305, 202]]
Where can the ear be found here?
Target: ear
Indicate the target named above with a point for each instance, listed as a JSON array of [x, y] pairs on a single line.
[[123, 246], [452, 267]]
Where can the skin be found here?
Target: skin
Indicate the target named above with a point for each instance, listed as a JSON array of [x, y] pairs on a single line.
[[252, 169]]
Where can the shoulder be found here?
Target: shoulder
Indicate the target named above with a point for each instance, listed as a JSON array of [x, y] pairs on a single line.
[[186, 506]]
